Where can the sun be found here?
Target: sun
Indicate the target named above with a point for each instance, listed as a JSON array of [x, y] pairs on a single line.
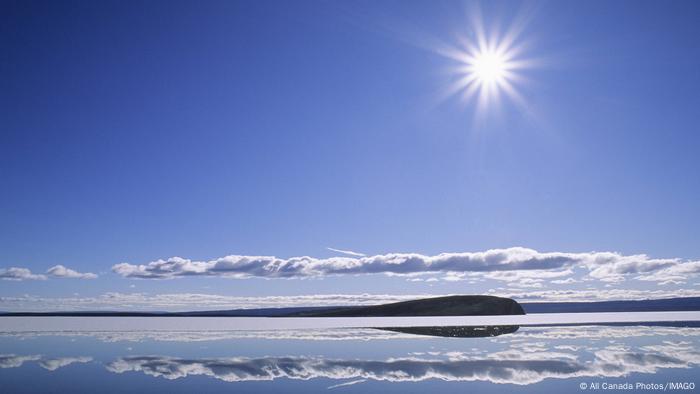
[[489, 67], [487, 71]]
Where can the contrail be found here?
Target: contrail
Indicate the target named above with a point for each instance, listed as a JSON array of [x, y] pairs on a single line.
[[348, 252]]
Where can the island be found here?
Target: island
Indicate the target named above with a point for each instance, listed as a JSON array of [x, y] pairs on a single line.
[[459, 305]]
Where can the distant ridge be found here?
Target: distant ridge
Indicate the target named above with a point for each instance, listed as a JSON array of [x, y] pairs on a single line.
[[261, 312]]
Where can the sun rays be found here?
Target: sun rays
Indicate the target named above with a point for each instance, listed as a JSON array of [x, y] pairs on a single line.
[[488, 65]]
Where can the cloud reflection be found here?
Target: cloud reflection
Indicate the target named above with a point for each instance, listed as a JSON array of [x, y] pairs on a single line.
[[51, 364], [339, 334], [529, 356], [15, 361], [518, 365]]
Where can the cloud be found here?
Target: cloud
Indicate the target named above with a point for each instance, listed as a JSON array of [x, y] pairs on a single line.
[[673, 274], [519, 276], [594, 294], [348, 252], [191, 301], [501, 264], [15, 273], [527, 283], [298, 267], [614, 267], [566, 281], [59, 271]]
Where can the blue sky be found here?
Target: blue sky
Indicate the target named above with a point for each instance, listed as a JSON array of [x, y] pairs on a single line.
[[136, 132]]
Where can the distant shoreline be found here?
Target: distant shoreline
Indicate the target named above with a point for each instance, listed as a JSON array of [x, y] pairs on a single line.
[[659, 305]]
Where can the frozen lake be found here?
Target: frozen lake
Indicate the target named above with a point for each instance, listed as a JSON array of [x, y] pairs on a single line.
[[14, 324], [217, 355]]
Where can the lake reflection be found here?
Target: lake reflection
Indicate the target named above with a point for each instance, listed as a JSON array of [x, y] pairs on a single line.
[[533, 359]]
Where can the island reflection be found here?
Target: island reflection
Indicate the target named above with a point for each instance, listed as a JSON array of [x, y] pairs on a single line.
[[456, 331]]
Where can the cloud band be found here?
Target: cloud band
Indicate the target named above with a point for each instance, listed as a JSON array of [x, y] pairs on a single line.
[[605, 266]]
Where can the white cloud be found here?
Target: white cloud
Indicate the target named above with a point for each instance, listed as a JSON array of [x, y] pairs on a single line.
[[518, 276], [59, 271], [594, 294], [678, 273], [566, 281], [510, 264], [397, 263], [15, 273], [527, 283], [191, 301], [614, 267]]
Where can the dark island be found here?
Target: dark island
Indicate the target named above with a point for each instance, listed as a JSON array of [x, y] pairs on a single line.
[[462, 305]]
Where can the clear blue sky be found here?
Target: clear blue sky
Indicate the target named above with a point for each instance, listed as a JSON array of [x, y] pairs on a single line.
[[131, 132]]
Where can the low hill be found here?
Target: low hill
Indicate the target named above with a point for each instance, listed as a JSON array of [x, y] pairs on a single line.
[[463, 305]]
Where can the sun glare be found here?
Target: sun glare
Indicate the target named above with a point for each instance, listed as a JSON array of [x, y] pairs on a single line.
[[488, 65]]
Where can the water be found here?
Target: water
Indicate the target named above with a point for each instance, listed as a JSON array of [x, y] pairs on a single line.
[[64, 355], [289, 323]]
